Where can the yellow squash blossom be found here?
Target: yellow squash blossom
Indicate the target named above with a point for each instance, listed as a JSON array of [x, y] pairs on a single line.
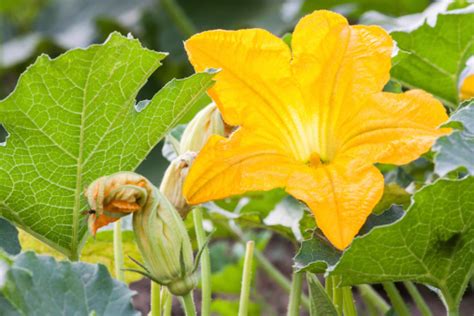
[[312, 120], [467, 88]]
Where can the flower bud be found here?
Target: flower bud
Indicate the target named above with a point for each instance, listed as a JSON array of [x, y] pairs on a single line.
[[173, 181], [206, 123], [160, 232], [115, 196], [164, 244]]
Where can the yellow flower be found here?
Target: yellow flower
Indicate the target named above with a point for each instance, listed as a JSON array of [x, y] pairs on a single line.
[[312, 120], [467, 88]]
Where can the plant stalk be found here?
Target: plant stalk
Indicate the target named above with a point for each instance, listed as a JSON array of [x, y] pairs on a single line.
[[246, 279], [417, 298], [368, 294], [295, 294], [206, 290], [155, 299], [179, 17], [349, 307], [397, 301], [118, 251], [187, 302], [337, 297]]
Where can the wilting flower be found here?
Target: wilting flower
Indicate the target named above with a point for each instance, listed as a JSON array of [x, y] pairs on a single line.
[[206, 123], [313, 120], [173, 181], [160, 232], [467, 88]]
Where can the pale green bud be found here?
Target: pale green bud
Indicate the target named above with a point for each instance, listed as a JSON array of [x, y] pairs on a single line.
[[206, 123], [173, 181]]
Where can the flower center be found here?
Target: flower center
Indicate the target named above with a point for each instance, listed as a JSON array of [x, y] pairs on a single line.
[[315, 160]]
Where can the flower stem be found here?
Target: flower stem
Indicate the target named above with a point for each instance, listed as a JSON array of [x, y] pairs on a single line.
[[179, 17], [417, 298], [277, 276], [118, 251], [348, 302], [329, 287], [188, 304], [205, 263], [155, 299], [369, 295], [166, 301], [337, 297], [246, 279], [397, 301], [295, 294]]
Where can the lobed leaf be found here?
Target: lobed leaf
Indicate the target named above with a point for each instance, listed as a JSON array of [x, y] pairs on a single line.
[[432, 244], [74, 119]]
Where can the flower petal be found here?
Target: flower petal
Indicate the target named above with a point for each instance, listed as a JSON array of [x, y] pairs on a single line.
[[254, 88], [338, 66], [341, 195], [394, 128], [242, 163], [467, 88]]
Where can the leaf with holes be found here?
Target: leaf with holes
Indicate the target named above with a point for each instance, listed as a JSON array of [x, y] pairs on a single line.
[[418, 65], [74, 119], [433, 244]]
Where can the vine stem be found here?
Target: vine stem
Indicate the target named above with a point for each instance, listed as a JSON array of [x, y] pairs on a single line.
[[397, 301], [246, 279], [179, 17], [337, 297], [118, 251], [417, 298], [295, 294], [155, 299], [370, 296], [167, 301], [206, 290], [188, 304], [348, 302]]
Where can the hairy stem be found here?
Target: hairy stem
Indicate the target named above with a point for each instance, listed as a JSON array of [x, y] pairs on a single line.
[[246, 279], [155, 299], [348, 302], [188, 304], [417, 298], [372, 298], [206, 290], [295, 294], [118, 251], [397, 301]]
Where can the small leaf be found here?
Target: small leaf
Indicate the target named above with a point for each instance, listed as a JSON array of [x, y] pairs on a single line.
[[320, 305], [40, 285], [432, 58], [432, 244], [72, 120], [9, 237], [457, 150]]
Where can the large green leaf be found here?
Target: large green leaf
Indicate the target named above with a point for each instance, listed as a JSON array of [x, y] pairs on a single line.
[[432, 58], [73, 119], [457, 150], [9, 237], [40, 285], [433, 244]]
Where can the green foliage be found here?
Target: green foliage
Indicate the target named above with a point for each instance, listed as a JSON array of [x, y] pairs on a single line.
[[457, 150], [432, 58], [39, 285], [432, 244], [321, 304], [72, 120], [9, 237], [354, 8], [224, 307]]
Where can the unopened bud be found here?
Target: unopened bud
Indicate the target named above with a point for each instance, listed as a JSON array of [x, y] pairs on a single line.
[[206, 123], [173, 181]]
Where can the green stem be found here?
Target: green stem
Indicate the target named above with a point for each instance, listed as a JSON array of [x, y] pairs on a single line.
[[188, 304], [348, 302], [397, 301], [277, 276], [417, 298], [155, 299], [166, 301], [370, 295], [179, 17], [329, 287], [246, 279], [205, 263], [295, 294], [337, 297], [118, 251]]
